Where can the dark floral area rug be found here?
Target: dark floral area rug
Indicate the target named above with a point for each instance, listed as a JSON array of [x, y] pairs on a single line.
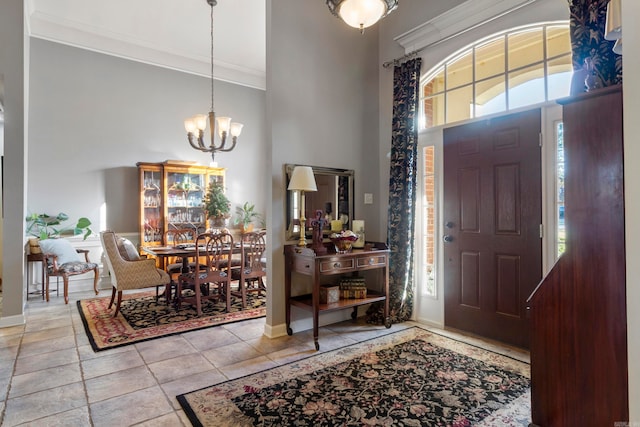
[[143, 318], [407, 378]]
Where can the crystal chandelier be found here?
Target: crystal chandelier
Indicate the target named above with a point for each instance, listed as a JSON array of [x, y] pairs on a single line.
[[198, 123], [361, 13]]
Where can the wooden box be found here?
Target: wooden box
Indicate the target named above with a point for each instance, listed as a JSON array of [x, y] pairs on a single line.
[[329, 294]]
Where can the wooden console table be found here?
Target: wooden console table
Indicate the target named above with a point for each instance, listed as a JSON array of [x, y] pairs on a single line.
[[320, 267]]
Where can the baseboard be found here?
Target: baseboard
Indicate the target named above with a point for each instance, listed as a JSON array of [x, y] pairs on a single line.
[[428, 322], [9, 321], [275, 331]]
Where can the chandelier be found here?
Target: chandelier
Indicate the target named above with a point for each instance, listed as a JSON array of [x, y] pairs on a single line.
[[361, 13], [198, 123]]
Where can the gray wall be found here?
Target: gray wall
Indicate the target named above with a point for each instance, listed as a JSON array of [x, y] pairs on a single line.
[[322, 110], [93, 116], [14, 48]]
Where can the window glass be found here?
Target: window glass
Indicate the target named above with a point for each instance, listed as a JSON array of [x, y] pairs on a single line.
[[434, 111], [459, 104], [429, 223], [490, 58], [460, 71], [559, 72], [435, 85], [525, 48], [526, 86], [560, 188], [558, 41], [503, 72], [491, 96]]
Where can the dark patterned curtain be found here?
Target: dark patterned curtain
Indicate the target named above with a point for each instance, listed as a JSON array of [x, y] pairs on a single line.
[[402, 193], [591, 53]]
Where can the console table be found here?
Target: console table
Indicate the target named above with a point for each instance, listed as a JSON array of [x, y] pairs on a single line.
[[320, 268]]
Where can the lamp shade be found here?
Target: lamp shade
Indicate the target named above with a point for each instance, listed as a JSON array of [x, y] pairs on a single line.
[[613, 25], [302, 179]]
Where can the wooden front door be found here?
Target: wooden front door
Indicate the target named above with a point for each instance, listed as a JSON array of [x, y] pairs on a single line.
[[492, 217]]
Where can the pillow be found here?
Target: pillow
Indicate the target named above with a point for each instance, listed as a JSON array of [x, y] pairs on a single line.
[[62, 249], [127, 249]]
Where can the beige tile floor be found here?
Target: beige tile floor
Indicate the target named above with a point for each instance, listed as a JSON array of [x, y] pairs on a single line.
[[50, 376]]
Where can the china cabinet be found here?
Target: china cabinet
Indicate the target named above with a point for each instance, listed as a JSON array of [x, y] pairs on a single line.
[[171, 196]]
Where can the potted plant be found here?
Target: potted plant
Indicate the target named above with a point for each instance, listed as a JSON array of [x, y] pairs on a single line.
[[44, 226], [245, 215], [217, 205]]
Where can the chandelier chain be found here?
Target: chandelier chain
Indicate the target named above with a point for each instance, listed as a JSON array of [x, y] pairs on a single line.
[[212, 87]]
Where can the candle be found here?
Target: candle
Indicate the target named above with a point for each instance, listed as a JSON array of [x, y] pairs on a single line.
[[358, 228], [336, 225]]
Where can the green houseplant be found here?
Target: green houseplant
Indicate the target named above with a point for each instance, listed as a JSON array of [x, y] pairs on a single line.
[[245, 215], [44, 226], [217, 205]]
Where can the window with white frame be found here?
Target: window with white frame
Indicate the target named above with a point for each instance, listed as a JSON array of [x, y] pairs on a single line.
[[428, 237], [509, 70]]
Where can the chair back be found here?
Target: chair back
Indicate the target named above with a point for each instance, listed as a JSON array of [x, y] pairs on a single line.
[[178, 237], [253, 249], [213, 251]]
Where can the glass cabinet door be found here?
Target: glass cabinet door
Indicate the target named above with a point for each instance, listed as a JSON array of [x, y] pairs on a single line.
[[185, 191], [152, 221]]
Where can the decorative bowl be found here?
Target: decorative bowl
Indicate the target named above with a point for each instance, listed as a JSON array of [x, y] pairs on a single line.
[[343, 241]]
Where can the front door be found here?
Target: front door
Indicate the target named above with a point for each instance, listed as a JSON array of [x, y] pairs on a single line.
[[492, 218]]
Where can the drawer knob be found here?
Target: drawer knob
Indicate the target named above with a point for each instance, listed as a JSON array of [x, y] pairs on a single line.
[[307, 266], [337, 265], [372, 261]]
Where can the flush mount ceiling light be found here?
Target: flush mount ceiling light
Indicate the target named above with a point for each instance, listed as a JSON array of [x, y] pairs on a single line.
[[196, 125], [361, 13]]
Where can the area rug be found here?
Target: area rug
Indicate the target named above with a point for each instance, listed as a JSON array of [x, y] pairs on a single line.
[[412, 377], [143, 318]]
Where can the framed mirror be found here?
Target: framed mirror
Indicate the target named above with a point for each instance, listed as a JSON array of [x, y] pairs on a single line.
[[335, 197]]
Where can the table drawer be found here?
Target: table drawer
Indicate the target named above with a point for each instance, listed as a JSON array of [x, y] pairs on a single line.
[[371, 261], [303, 265], [337, 265]]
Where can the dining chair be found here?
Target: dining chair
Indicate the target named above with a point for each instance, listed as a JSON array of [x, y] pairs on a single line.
[[174, 238], [253, 269], [213, 282]]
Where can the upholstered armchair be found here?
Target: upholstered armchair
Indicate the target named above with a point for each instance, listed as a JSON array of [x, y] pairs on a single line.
[[129, 274], [62, 260]]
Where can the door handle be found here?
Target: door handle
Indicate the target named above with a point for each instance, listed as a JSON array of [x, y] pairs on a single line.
[[448, 224], [448, 238]]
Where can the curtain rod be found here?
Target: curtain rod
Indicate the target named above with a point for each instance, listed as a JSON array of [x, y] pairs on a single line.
[[413, 53]]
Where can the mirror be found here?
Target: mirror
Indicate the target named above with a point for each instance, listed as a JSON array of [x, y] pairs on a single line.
[[334, 197]]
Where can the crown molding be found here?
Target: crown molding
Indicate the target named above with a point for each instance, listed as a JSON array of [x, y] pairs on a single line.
[[75, 34], [456, 21]]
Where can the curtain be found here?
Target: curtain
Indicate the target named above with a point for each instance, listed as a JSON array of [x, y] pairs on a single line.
[[592, 55], [402, 193]]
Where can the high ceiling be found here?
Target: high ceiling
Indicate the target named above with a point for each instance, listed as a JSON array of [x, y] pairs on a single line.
[[169, 33]]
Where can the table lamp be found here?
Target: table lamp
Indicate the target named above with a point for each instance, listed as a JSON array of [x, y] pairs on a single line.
[[302, 180]]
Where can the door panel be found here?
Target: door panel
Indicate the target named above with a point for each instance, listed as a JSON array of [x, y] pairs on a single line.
[[493, 252]]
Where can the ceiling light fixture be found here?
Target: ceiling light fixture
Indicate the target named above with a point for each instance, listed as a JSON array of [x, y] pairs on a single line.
[[198, 123], [361, 13]]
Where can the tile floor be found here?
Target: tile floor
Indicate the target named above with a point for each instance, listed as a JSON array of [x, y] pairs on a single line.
[[50, 376]]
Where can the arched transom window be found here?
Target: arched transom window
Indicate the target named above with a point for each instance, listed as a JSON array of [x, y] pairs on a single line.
[[509, 70]]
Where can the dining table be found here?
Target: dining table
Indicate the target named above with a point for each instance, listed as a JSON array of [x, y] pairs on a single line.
[[184, 252]]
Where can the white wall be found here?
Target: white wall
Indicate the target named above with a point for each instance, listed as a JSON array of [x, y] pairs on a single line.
[[322, 109], [93, 116], [631, 96]]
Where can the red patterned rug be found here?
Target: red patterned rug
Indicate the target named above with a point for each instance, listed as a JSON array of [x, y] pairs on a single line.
[[143, 318]]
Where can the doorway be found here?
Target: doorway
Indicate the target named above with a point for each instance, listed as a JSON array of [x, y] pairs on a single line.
[[492, 218]]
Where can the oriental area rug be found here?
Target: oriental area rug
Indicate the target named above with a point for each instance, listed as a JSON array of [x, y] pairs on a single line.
[[412, 377], [143, 318]]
